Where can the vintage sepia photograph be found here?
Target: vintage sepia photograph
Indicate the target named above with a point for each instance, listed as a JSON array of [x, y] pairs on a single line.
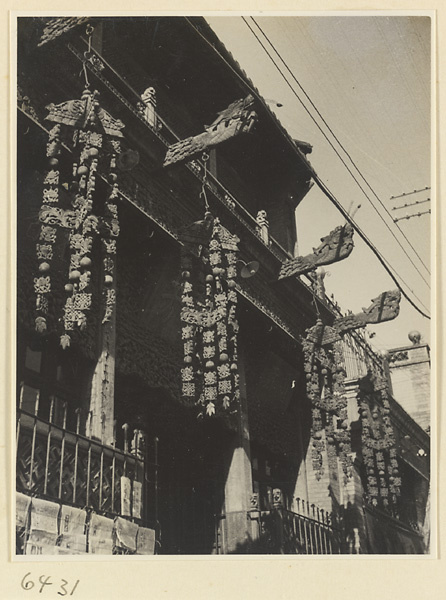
[[223, 285]]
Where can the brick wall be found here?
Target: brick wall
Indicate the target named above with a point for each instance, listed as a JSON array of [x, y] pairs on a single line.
[[410, 373]]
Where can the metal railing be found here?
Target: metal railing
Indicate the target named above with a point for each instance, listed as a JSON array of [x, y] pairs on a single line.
[[66, 466], [306, 530], [304, 534], [359, 357]]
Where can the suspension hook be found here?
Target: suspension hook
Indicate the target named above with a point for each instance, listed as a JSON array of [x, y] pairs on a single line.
[[204, 158], [87, 54]]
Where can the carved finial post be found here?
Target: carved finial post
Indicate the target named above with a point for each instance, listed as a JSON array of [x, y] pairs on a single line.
[[277, 498], [126, 428], [263, 226], [139, 443], [254, 502], [149, 99]]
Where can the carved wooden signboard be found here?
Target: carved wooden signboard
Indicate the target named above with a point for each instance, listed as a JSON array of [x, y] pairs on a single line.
[[238, 118], [384, 307], [336, 246], [94, 138]]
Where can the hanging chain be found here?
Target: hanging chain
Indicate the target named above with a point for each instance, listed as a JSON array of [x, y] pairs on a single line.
[[314, 302], [204, 158], [87, 55]]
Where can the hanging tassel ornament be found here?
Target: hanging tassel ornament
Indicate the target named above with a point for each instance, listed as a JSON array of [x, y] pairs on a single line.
[[110, 233], [188, 336], [48, 233], [233, 327], [89, 145]]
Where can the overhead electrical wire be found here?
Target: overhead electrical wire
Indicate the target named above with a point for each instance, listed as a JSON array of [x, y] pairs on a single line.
[[340, 144], [320, 183], [409, 193], [374, 249]]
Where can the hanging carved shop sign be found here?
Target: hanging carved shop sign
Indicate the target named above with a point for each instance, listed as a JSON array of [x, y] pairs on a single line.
[[210, 329], [239, 117], [94, 138], [336, 246], [378, 445], [325, 375]]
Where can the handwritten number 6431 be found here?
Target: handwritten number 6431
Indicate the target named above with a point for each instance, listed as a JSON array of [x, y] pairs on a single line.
[[28, 584]]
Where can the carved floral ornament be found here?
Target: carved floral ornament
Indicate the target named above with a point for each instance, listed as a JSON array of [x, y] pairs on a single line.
[[94, 139]]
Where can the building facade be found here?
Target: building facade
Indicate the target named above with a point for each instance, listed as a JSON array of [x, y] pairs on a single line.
[[178, 391]]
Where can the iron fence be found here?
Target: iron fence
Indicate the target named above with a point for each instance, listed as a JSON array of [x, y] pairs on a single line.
[[66, 466], [308, 530]]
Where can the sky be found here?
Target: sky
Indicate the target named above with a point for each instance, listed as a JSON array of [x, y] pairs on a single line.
[[370, 79]]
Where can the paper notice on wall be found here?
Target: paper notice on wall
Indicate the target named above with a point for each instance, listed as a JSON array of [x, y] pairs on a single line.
[[44, 528], [44, 516], [72, 530], [39, 547], [68, 551], [126, 534], [137, 499], [126, 496], [145, 541], [22, 504], [100, 535]]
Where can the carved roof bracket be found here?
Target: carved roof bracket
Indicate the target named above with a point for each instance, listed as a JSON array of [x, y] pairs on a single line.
[[384, 307], [239, 117], [336, 246]]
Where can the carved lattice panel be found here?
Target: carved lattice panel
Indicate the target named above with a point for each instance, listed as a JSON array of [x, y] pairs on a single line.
[[23, 462], [119, 471], [24, 457], [81, 478], [53, 471], [68, 474], [107, 476], [82, 473], [95, 476]]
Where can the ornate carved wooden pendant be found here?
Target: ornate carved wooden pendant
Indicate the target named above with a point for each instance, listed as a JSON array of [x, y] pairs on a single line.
[[324, 372], [238, 118], [210, 373], [336, 246], [92, 135], [378, 446]]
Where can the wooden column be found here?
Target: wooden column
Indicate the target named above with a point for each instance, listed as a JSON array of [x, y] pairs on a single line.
[[301, 486], [101, 410], [239, 529]]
